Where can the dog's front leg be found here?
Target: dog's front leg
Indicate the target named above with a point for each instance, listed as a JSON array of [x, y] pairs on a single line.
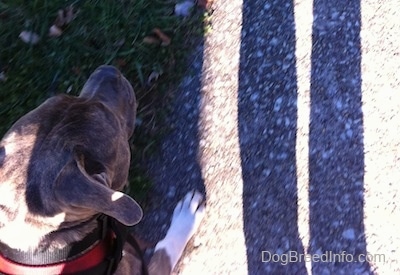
[[186, 219]]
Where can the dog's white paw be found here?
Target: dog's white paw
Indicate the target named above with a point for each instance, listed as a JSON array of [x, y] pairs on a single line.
[[187, 215], [186, 219]]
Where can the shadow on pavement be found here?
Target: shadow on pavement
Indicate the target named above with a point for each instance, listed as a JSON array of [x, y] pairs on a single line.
[[267, 133], [336, 149], [175, 169]]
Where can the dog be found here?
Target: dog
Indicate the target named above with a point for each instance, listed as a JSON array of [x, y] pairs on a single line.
[[62, 169]]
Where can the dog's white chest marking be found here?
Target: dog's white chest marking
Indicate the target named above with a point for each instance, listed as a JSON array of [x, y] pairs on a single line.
[[186, 219], [19, 234]]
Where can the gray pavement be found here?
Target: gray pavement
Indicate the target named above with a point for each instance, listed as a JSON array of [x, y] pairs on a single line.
[[288, 119]]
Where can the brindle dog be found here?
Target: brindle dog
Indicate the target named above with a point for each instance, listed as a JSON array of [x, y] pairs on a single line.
[[67, 161]]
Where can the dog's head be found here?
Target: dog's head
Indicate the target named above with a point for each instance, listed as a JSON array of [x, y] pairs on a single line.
[[108, 85], [92, 173], [68, 159]]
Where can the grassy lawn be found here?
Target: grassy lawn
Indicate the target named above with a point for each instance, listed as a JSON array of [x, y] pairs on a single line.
[[121, 33]]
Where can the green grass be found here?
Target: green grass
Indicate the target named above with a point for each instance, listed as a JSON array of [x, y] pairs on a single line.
[[103, 32]]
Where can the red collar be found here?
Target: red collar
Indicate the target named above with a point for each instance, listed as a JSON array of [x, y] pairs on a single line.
[[90, 259]]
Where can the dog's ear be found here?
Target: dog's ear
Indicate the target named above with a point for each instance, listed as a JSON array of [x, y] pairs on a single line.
[[74, 188]]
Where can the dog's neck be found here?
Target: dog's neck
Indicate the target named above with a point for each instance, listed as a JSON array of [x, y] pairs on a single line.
[[49, 232]]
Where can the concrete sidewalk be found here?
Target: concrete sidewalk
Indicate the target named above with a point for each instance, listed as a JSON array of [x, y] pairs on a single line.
[[288, 119]]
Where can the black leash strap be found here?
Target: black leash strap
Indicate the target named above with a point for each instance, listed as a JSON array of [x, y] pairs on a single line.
[[122, 233]]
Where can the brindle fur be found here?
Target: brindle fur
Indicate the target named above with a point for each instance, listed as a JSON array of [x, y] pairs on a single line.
[[66, 161]]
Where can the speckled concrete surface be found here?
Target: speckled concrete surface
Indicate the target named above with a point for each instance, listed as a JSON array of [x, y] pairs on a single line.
[[288, 119]]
